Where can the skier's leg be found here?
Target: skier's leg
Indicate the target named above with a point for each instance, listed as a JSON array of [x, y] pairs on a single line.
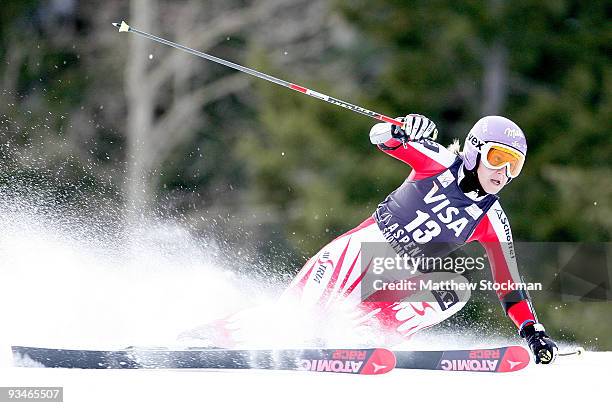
[[399, 321], [329, 280], [332, 281], [335, 272], [334, 275]]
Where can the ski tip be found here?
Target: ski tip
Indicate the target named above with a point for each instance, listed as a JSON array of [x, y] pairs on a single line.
[[380, 362], [514, 358], [123, 27]]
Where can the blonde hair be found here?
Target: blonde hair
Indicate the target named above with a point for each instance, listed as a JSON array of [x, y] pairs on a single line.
[[455, 147]]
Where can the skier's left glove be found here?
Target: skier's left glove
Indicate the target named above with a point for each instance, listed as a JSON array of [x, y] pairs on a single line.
[[543, 348]]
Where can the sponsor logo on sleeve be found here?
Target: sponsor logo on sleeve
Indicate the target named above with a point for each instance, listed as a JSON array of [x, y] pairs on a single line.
[[508, 234], [430, 144]]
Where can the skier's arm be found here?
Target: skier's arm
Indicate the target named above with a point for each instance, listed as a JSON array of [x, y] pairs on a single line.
[[495, 235], [413, 147]]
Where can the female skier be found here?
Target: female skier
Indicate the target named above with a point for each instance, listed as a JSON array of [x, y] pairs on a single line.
[[448, 199]]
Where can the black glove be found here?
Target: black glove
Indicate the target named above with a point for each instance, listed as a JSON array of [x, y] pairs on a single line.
[[543, 348]]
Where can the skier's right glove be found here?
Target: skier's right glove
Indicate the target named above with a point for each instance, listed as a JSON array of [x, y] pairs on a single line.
[[415, 127], [543, 348]]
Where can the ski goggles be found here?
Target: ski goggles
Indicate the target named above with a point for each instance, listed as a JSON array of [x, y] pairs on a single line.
[[496, 156]]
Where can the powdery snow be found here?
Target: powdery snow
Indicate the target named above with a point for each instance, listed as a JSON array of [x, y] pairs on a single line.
[[64, 284], [571, 381]]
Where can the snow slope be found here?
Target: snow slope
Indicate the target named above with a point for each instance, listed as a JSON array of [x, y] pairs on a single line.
[[81, 283], [572, 381]]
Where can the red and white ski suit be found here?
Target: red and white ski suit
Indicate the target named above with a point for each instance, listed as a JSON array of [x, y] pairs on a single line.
[[335, 273]]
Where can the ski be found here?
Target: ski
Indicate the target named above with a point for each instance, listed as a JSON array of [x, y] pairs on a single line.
[[350, 361], [497, 360]]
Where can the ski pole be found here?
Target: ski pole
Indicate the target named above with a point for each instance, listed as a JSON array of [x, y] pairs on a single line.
[[124, 28], [576, 352]]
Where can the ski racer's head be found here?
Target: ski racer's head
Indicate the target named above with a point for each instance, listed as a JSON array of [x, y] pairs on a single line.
[[495, 148]]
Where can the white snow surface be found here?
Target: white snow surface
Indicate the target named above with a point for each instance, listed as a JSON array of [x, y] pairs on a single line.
[[571, 381], [80, 284]]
